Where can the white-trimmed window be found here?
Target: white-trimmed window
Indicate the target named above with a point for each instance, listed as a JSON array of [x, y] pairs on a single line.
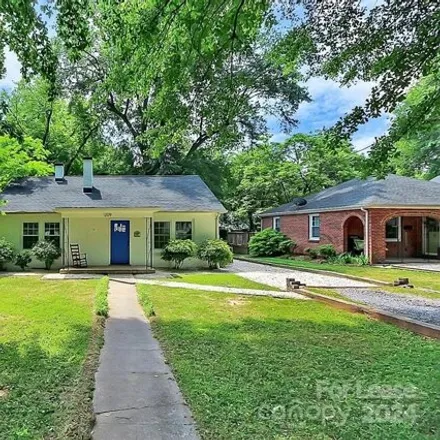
[[162, 234], [30, 235], [314, 227], [52, 233], [184, 230], [393, 229], [276, 224]]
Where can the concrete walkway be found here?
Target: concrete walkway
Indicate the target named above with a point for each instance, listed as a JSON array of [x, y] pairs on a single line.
[[234, 290], [136, 396]]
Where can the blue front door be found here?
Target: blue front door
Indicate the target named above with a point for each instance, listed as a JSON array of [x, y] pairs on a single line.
[[120, 242]]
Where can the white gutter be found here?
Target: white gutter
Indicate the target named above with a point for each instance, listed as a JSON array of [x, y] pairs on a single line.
[[347, 208], [366, 234]]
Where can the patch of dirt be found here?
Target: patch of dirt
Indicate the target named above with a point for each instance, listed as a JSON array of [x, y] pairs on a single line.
[[4, 393], [236, 302]]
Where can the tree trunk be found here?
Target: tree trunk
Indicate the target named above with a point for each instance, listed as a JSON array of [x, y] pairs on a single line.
[[251, 221]]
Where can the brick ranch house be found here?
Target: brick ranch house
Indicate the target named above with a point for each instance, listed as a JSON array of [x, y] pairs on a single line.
[[395, 218]]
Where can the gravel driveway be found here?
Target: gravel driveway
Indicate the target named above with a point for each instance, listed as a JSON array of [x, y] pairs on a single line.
[[411, 306], [276, 276]]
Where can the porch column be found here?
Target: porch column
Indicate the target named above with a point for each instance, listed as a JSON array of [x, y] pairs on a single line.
[[66, 241], [148, 242]]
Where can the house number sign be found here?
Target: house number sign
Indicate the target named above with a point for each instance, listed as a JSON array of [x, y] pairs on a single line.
[[119, 227]]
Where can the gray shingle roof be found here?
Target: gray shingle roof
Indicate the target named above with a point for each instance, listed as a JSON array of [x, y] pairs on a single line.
[[167, 193], [391, 191]]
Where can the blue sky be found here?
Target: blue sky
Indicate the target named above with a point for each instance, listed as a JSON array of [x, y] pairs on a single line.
[[329, 103]]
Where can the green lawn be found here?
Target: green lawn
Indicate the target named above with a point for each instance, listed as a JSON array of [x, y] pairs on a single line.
[[47, 329], [427, 280], [264, 368], [220, 279]]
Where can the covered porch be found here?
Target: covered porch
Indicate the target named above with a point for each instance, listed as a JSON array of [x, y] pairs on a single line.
[[412, 239], [404, 235], [112, 241], [109, 270]]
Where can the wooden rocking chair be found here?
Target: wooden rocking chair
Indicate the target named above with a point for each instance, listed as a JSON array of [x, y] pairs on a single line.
[[78, 259]]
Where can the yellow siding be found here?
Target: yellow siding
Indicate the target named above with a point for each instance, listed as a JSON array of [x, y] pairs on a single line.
[[204, 226], [93, 236], [11, 227], [91, 230]]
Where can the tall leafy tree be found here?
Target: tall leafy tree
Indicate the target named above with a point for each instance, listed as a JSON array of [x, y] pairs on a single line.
[[416, 129], [271, 174], [21, 159], [25, 29], [66, 126], [394, 43], [174, 77]]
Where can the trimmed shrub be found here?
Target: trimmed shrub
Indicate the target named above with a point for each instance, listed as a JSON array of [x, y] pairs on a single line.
[[216, 253], [312, 253], [101, 297], [22, 259], [326, 251], [47, 252], [269, 242], [346, 258], [177, 251], [7, 252]]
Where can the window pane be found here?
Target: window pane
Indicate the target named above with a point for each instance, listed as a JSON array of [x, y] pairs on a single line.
[[184, 230], [30, 235], [52, 229], [161, 234], [276, 224], [30, 229], [29, 241], [315, 226], [52, 233], [392, 229]]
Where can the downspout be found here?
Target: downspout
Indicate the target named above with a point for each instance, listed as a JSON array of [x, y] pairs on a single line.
[[367, 235], [217, 226]]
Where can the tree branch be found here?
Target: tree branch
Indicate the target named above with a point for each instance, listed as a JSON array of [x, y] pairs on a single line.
[[80, 148], [112, 107], [47, 127]]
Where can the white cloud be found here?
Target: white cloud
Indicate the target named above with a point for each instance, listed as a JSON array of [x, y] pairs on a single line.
[[370, 4], [279, 137], [330, 101], [12, 71], [363, 142]]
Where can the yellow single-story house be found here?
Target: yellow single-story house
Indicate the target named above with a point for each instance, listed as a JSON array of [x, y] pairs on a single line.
[[115, 220]]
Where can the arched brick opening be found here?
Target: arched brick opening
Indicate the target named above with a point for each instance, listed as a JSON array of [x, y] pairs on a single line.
[[353, 232]]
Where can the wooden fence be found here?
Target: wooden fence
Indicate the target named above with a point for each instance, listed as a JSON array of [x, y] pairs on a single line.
[[239, 240]]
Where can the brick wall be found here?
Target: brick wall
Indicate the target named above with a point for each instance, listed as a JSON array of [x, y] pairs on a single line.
[[332, 229], [266, 222], [378, 219]]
